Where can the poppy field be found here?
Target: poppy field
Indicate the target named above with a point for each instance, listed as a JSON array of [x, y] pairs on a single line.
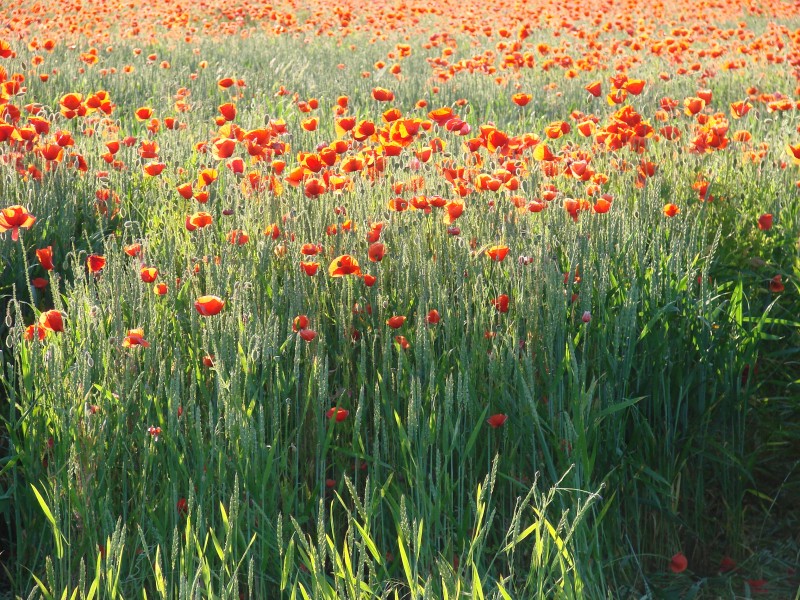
[[409, 300]]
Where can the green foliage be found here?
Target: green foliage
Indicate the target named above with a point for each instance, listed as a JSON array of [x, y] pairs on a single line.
[[653, 428]]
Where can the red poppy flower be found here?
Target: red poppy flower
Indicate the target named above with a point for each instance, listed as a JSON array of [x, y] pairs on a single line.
[[209, 305], [227, 110], [310, 249], [678, 563], [95, 263], [501, 303], [182, 506], [376, 252], [154, 169], [344, 265], [396, 322], [309, 268], [135, 337], [497, 420], [727, 564], [776, 285], [39, 283], [208, 361], [402, 341], [185, 190], [13, 218], [340, 414], [300, 322], [237, 237], [35, 331], [594, 88], [52, 320], [160, 288], [433, 317], [45, 256], [382, 95], [308, 334], [149, 274], [765, 222]]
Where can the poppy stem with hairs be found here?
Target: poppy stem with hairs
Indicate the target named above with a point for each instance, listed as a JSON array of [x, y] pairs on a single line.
[[27, 271]]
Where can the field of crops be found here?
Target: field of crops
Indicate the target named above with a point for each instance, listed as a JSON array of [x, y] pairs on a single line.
[[399, 300]]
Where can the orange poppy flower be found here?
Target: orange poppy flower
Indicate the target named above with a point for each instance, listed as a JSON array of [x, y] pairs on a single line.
[[198, 220], [542, 153], [45, 256], [557, 129], [95, 263], [794, 152], [209, 305], [740, 109], [52, 320], [398, 204], [135, 337], [14, 217], [453, 210], [671, 210], [344, 265], [143, 113], [634, 86], [497, 253], [521, 99], [206, 177], [601, 206], [153, 169], [693, 105], [185, 190], [133, 249], [160, 288], [369, 280], [382, 95]]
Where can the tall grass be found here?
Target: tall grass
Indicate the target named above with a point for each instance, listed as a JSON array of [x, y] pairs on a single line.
[[631, 435]]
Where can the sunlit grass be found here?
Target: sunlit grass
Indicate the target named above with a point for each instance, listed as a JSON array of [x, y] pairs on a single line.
[[645, 364]]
